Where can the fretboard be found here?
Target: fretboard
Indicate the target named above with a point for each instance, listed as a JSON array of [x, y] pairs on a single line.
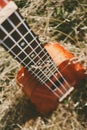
[[20, 41]]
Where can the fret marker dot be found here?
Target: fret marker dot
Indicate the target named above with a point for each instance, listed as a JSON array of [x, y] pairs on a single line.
[[32, 55], [22, 44], [39, 63]]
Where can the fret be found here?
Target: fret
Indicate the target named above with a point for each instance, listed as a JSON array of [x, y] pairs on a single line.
[[25, 58], [44, 75], [15, 37], [35, 56], [28, 38], [12, 53], [40, 52], [38, 49], [14, 30], [33, 45], [11, 40], [7, 26], [45, 57], [44, 82], [50, 88], [26, 62], [9, 36], [40, 61], [23, 44], [44, 78], [2, 34], [11, 45], [31, 37], [18, 58], [17, 34], [35, 75], [49, 73], [26, 48], [36, 70], [16, 50], [25, 25], [22, 29], [39, 72], [22, 56], [15, 19]]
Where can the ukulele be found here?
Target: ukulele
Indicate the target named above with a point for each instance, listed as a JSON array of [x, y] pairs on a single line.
[[49, 73]]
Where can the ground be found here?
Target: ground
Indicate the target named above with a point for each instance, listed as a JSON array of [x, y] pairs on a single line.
[[66, 22]]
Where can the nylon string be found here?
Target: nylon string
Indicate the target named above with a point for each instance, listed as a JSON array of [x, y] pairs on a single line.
[[19, 58], [41, 59]]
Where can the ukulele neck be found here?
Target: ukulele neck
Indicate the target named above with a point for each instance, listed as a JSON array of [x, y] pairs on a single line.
[[20, 41]]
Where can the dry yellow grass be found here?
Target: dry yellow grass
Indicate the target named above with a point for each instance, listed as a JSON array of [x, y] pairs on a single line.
[[66, 22]]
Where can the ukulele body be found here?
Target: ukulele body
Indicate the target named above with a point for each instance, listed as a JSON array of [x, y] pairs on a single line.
[[72, 71], [44, 100]]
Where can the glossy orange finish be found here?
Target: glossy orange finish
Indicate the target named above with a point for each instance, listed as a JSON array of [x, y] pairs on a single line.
[[3, 3], [44, 100]]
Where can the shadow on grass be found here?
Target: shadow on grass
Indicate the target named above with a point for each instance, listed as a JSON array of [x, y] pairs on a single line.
[[18, 114], [23, 110], [80, 98]]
